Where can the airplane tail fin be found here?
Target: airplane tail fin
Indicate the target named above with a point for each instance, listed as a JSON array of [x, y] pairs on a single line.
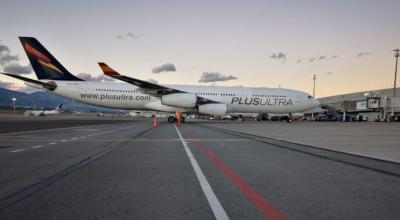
[[107, 70], [58, 108], [43, 63]]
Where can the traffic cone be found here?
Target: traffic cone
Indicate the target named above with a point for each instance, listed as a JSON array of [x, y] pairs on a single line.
[[155, 124], [179, 118]]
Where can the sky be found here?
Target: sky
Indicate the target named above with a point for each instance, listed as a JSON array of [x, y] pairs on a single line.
[[348, 44]]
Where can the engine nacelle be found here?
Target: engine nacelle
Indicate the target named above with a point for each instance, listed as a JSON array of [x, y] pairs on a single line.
[[181, 100], [213, 109]]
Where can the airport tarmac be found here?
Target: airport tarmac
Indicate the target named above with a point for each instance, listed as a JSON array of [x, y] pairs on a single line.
[[370, 139], [129, 170]]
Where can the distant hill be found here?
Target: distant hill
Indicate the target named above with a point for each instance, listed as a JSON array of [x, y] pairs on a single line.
[[42, 99]]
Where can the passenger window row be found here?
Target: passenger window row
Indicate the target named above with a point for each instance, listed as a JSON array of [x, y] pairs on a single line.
[[117, 90], [214, 94], [273, 96]]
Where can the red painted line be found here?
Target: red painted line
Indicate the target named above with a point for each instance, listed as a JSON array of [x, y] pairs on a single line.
[[262, 204]]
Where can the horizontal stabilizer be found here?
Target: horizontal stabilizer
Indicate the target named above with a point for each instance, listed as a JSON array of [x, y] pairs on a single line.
[[47, 85]]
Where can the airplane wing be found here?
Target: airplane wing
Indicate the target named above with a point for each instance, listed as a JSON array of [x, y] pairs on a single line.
[[148, 87], [49, 86]]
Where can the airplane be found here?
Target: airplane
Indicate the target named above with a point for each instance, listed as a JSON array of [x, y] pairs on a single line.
[[136, 94], [43, 113]]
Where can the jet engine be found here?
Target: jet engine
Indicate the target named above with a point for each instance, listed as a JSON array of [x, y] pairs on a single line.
[[213, 109], [181, 100]]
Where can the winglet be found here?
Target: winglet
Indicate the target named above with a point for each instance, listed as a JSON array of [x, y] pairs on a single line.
[[108, 70]]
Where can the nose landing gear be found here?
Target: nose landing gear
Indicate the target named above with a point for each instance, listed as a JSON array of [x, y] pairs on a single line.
[[172, 119]]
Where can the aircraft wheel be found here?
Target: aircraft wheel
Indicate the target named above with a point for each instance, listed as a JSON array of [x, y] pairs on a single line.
[[171, 119], [259, 118]]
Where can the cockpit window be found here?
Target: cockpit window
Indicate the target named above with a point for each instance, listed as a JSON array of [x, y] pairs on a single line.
[[309, 97]]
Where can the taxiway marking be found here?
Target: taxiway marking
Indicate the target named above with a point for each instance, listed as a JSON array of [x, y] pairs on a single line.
[[215, 204], [264, 206], [38, 146]]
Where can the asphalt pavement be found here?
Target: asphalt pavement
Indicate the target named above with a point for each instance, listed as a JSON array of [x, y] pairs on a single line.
[[129, 170]]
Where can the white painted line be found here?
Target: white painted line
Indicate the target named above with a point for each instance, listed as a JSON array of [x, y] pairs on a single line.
[[53, 143], [15, 151], [74, 138], [38, 146], [63, 140], [41, 130], [87, 129], [218, 210]]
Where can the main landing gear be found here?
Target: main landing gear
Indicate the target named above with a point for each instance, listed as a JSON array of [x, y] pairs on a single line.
[[172, 119], [290, 118]]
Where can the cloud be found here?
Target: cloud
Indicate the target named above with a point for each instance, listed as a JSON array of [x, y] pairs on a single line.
[[8, 58], [17, 87], [168, 67], [5, 56], [6, 85], [88, 77], [17, 68], [4, 49], [320, 58], [328, 73], [10, 63], [215, 77], [279, 56], [152, 81], [130, 35], [299, 61], [363, 54]]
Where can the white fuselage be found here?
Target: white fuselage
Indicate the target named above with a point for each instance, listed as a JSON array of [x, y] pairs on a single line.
[[41, 113], [238, 99]]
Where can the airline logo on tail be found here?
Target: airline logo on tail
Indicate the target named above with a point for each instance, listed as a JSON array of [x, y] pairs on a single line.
[[42, 59], [108, 70]]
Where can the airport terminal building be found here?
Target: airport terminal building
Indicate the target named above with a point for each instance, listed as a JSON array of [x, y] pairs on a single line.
[[375, 105]]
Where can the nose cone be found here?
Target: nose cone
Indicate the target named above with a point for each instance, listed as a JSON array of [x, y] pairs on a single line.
[[312, 103]]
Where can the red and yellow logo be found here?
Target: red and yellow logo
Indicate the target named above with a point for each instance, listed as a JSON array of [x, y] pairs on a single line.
[[108, 70], [42, 59]]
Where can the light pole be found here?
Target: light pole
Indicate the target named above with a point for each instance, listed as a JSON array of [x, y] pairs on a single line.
[[313, 93], [13, 101], [395, 80], [395, 71]]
